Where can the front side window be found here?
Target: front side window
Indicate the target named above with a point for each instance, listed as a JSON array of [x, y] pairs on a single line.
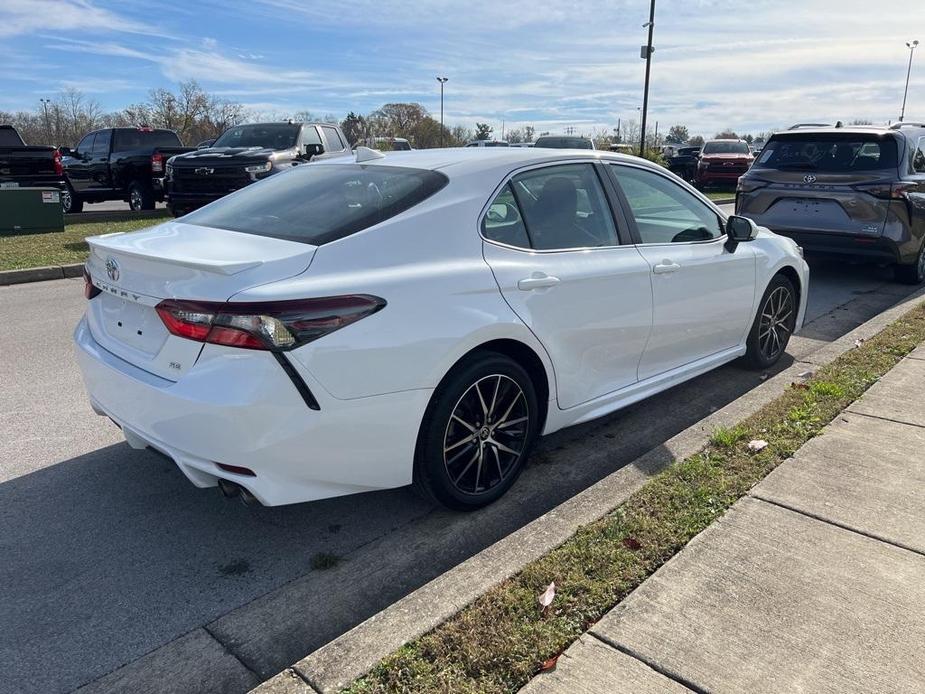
[[317, 204], [334, 142], [664, 211], [86, 144], [564, 207], [101, 144]]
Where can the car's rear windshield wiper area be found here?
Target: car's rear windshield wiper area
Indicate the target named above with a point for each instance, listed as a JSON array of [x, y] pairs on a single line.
[[798, 166]]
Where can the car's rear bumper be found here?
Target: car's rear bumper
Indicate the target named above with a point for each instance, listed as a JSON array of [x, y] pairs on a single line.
[[238, 407], [875, 248]]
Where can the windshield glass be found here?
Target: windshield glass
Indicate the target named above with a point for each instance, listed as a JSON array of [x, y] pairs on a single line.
[[142, 139], [269, 135], [833, 153], [9, 138], [730, 147], [319, 204]]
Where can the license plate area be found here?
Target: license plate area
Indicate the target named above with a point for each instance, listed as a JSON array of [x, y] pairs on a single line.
[[132, 324]]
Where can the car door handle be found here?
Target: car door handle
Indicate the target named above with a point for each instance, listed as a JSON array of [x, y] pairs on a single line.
[[666, 266], [537, 281]]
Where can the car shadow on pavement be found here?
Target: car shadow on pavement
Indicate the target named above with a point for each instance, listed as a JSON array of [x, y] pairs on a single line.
[[112, 554]]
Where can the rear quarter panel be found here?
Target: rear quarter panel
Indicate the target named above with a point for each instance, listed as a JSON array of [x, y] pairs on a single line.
[[442, 301]]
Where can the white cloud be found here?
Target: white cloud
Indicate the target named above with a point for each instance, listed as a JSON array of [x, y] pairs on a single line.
[[23, 17]]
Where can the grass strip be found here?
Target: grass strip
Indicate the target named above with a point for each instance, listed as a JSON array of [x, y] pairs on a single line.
[[21, 251], [499, 642]]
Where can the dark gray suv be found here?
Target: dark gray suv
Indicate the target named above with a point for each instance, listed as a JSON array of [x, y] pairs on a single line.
[[856, 191]]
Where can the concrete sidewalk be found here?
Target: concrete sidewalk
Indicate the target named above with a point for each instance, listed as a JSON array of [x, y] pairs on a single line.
[[814, 582]]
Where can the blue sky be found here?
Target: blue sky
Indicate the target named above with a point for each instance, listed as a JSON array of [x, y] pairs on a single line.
[[718, 63]]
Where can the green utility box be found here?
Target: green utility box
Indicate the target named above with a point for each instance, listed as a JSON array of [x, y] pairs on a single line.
[[30, 211]]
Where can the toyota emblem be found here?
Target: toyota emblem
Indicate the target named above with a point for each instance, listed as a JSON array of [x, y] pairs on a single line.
[[809, 178], [112, 269]]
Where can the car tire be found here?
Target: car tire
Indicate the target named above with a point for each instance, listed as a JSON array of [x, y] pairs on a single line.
[[914, 273], [774, 324], [477, 432], [140, 196], [70, 201]]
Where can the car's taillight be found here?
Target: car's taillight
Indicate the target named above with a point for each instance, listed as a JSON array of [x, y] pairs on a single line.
[[272, 325], [90, 289], [157, 162], [884, 190], [747, 185], [59, 167]]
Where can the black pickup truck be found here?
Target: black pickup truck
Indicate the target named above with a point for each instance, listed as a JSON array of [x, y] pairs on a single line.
[[244, 154], [22, 166], [684, 162], [119, 164]]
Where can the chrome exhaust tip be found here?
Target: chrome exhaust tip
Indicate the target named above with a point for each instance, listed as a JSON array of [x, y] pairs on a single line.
[[247, 497], [228, 489]]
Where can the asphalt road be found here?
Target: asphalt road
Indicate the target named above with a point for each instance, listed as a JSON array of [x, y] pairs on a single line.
[[115, 571]]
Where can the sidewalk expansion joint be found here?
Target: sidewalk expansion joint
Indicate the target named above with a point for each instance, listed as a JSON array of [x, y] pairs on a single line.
[[673, 676], [883, 419], [836, 524], [229, 651]]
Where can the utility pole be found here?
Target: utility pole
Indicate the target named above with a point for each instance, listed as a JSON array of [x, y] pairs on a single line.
[[45, 103], [442, 81], [911, 46], [647, 51], [656, 133]]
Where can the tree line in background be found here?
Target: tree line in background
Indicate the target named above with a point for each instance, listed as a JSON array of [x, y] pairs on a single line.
[[197, 115]]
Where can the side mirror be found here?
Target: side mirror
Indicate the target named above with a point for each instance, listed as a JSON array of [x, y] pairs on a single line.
[[65, 151], [205, 144], [739, 230], [312, 150]]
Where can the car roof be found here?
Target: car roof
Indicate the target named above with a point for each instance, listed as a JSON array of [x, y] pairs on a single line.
[[463, 160], [847, 130]]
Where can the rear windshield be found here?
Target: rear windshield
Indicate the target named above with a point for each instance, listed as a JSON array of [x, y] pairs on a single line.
[[269, 135], [9, 138], [320, 204], [731, 147], [835, 153], [565, 142], [142, 139]]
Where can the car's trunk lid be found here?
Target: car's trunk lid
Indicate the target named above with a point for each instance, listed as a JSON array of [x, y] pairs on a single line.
[[136, 271]]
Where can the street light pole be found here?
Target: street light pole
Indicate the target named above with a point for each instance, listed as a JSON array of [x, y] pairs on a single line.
[[45, 103], [911, 46], [645, 96], [442, 81]]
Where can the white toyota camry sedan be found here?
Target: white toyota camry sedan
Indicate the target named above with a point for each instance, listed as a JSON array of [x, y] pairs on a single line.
[[421, 317]]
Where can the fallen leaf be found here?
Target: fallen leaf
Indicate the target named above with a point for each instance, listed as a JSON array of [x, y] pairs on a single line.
[[546, 597], [858, 342], [757, 445], [806, 374], [799, 386], [549, 663], [631, 543]]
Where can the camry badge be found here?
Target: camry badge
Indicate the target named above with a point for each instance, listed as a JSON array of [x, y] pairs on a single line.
[[204, 171], [112, 269], [809, 178]]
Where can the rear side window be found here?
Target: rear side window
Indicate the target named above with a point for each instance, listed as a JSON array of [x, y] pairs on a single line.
[[335, 144], [127, 139], [9, 138], [828, 152], [319, 204], [918, 157], [552, 208]]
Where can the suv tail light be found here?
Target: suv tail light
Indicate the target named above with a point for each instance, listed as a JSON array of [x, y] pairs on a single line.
[[274, 325], [884, 190], [59, 167], [157, 162], [748, 185]]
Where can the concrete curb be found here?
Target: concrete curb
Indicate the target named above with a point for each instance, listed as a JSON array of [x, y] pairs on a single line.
[[336, 664], [113, 216], [40, 274]]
